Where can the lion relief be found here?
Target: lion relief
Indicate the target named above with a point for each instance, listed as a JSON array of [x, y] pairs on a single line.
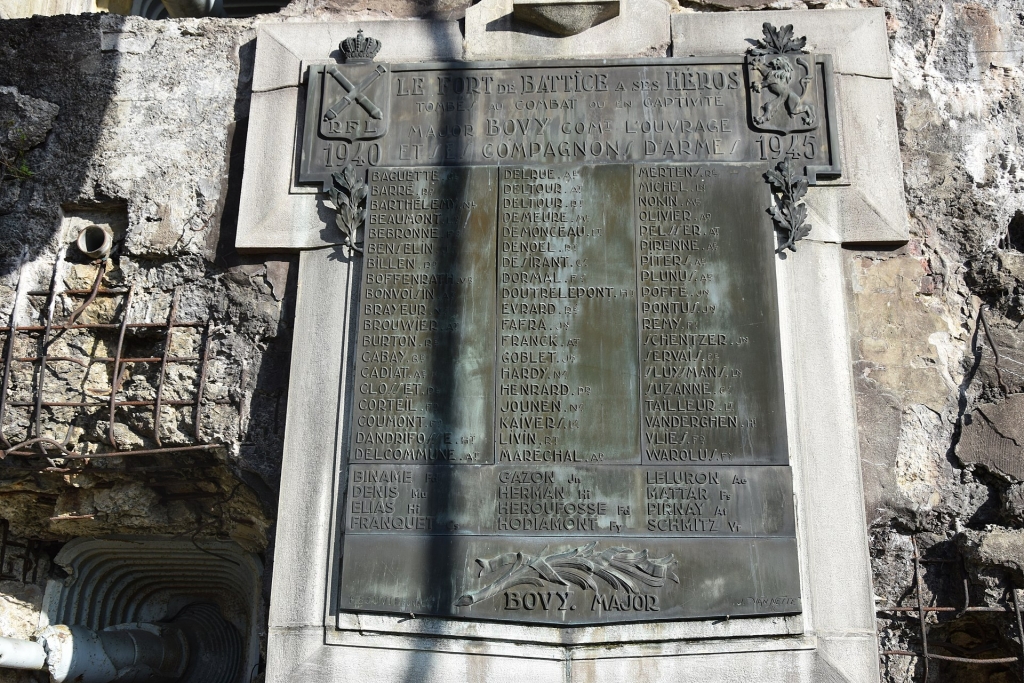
[[777, 76]]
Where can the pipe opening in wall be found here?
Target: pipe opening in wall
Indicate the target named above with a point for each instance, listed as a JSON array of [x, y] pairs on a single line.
[[95, 241]]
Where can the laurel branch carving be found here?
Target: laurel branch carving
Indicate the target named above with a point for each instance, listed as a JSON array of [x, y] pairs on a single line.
[[621, 568], [348, 193], [788, 211]]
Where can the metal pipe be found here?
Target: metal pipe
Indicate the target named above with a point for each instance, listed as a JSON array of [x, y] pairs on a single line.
[[95, 242], [16, 653], [197, 646]]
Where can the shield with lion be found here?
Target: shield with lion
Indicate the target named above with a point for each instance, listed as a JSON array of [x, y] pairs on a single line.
[[782, 83]]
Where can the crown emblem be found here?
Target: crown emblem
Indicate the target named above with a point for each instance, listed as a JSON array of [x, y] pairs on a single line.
[[359, 49]]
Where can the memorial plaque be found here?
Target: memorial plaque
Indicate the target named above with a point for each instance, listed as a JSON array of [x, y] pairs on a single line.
[[708, 318], [567, 353], [568, 402], [425, 361]]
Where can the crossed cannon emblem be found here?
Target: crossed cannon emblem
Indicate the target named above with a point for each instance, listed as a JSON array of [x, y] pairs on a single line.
[[354, 92]]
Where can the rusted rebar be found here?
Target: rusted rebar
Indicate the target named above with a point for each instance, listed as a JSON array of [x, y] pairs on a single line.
[[44, 348], [117, 374], [920, 604], [70, 455], [921, 611], [197, 416], [98, 326], [86, 360], [8, 355], [119, 404], [100, 269], [163, 366], [46, 334]]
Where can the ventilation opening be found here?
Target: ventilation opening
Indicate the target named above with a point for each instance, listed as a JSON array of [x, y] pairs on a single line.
[[1014, 233]]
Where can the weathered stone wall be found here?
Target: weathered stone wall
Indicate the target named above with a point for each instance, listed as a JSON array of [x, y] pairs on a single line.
[[148, 138], [150, 130], [940, 438]]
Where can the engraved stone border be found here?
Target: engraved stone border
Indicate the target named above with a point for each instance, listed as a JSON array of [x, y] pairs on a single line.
[[833, 640], [277, 213]]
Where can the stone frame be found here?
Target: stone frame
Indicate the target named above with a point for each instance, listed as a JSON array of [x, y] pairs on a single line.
[[834, 639]]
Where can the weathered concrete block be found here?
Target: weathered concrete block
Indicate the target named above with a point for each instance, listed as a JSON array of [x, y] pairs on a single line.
[[873, 206], [565, 17], [641, 29]]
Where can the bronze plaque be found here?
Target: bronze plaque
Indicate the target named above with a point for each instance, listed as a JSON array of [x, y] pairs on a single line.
[[567, 399], [424, 363], [567, 346], [587, 112]]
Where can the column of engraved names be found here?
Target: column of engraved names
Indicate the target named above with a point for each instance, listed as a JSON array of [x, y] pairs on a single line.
[[424, 375], [711, 370], [566, 386]]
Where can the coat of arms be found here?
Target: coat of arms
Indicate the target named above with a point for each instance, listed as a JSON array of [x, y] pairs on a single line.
[[782, 82], [354, 95]]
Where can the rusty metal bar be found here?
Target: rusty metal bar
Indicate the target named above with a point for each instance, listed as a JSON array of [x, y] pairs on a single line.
[[135, 468], [944, 609], [86, 404], [8, 354], [5, 381], [38, 440], [163, 366], [962, 660], [117, 454], [117, 364], [198, 411], [98, 326], [920, 604], [29, 558], [99, 291], [52, 329], [149, 451], [921, 611], [44, 347], [101, 268], [85, 360]]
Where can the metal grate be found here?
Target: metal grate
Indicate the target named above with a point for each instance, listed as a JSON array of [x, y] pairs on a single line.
[[29, 554], [1012, 610], [49, 415]]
